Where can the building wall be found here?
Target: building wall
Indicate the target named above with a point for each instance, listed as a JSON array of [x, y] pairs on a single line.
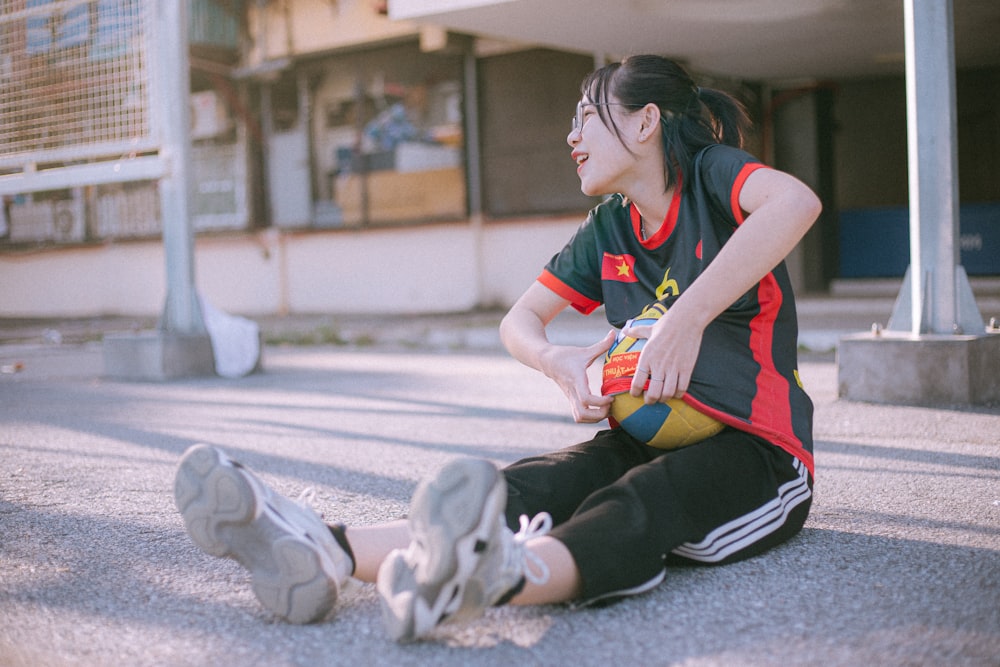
[[871, 139], [455, 266], [872, 190], [978, 93], [870, 144], [434, 268], [795, 151], [80, 282], [527, 168]]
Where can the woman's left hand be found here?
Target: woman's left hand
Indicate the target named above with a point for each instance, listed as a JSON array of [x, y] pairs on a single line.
[[667, 359]]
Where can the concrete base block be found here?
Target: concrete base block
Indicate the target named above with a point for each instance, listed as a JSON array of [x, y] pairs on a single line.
[[927, 370], [157, 355]]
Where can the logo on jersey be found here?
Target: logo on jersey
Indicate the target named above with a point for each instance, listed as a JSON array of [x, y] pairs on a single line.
[[668, 287], [620, 268]]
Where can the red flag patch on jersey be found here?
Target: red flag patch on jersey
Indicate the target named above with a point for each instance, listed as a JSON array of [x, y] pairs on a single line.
[[618, 267]]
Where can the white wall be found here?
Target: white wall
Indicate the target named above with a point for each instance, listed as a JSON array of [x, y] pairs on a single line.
[[424, 269], [83, 282]]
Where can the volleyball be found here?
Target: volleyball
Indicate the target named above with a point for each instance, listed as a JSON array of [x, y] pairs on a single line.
[[666, 425]]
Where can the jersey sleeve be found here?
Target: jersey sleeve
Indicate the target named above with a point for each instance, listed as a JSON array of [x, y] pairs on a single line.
[[574, 272], [722, 171]]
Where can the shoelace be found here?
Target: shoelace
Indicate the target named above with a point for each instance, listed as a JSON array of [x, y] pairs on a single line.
[[307, 498], [538, 526], [284, 508]]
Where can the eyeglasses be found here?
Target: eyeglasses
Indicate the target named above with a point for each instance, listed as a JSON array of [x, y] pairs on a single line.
[[578, 118]]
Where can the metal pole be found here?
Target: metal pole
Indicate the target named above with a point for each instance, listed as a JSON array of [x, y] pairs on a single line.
[[182, 311], [473, 167], [473, 157], [936, 297]]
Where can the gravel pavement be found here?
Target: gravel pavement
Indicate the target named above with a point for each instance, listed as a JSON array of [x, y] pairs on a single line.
[[899, 563]]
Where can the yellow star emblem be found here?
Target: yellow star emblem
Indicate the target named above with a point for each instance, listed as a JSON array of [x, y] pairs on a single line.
[[623, 269]]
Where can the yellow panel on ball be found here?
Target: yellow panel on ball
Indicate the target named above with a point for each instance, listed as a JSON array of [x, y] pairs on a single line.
[[666, 425]]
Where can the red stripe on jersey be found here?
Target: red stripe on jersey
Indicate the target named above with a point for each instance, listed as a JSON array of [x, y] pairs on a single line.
[[734, 194], [771, 399], [786, 441], [770, 409], [582, 303], [669, 221], [771, 403]]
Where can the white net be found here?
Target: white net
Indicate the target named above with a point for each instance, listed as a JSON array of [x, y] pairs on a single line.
[[74, 80]]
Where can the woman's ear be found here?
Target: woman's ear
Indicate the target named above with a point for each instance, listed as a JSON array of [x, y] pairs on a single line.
[[650, 115]]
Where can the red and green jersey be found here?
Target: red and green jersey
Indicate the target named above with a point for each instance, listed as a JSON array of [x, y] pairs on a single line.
[[746, 374]]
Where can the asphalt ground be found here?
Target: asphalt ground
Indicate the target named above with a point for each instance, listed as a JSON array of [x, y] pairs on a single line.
[[899, 562]]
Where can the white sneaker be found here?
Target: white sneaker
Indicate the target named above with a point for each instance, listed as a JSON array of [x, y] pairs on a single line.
[[462, 558], [296, 564]]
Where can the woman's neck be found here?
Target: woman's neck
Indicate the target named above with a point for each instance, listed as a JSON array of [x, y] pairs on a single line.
[[653, 208]]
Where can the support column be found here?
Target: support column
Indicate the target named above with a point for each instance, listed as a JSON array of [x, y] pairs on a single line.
[[181, 312], [936, 296], [935, 349], [181, 345]]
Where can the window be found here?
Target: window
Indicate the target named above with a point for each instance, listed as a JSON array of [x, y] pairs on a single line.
[[387, 137]]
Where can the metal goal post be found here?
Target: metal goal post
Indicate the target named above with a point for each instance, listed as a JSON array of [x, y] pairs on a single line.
[[79, 89], [97, 92]]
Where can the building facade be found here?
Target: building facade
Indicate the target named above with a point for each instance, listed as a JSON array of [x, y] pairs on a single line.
[[344, 161]]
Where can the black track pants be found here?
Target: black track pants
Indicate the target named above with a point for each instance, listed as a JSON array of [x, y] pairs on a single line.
[[624, 509]]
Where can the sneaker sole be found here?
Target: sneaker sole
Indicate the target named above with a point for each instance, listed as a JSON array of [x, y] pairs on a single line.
[[453, 536], [223, 515], [398, 597]]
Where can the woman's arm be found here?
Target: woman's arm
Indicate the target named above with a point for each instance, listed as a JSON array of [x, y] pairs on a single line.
[[780, 210], [523, 334]]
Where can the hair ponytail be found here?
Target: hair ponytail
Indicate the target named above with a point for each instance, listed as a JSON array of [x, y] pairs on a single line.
[[729, 119]]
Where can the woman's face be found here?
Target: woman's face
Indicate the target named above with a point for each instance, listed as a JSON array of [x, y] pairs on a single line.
[[603, 161]]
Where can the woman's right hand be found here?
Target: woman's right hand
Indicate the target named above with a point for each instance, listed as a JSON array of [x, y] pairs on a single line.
[[567, 366], [523, 334]]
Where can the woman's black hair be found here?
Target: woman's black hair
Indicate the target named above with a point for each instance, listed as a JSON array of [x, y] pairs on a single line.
[[691, 117]]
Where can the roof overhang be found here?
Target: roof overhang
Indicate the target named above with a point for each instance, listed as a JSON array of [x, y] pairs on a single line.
[[764, 40]]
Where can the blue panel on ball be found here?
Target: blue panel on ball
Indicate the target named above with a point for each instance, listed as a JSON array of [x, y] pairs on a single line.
[[645, 422]]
